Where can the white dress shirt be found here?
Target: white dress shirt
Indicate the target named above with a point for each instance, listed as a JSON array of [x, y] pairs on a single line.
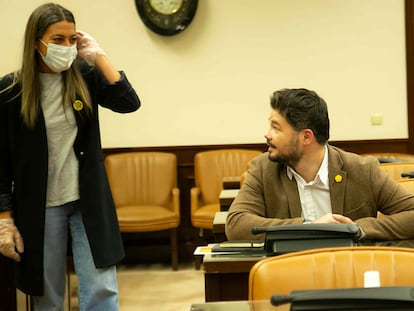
[[314, 196]]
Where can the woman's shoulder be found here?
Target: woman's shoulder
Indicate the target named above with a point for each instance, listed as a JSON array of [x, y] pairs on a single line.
[[9, 87], [7, 80]]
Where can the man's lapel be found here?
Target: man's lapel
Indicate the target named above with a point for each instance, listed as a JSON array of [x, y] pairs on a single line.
[[337, 181]]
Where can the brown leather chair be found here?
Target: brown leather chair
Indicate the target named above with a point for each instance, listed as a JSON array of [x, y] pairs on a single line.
[[407, 183], [395, 169], [210, 167], [324, 268], [144, 187], [387, 157]]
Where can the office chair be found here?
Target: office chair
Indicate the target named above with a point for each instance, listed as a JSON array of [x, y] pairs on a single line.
[[210, 167], [144, 188], [407, 183], [395, 169], [389, 157], [324, 268]]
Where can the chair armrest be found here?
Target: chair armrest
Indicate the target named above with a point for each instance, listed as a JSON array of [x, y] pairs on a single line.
[[176, 201], [195, 195]]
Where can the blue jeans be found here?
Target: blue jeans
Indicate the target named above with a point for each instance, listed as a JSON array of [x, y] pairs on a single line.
[[98, 289]]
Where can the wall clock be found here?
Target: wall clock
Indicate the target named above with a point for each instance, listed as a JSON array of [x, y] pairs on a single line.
[[166, 17]]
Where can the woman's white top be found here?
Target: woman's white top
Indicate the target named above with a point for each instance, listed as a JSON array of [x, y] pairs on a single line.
[[61, 129]]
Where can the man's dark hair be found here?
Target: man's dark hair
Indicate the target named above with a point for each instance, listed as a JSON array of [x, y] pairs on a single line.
[[303, 109]]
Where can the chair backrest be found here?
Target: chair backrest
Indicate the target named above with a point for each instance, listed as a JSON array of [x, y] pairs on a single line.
[[394, 169], [141, 177], [210, 167], [387, 157], [407, 183], [337, 267]]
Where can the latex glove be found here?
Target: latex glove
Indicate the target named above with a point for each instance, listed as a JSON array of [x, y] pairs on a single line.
[[10, 239], [87, 47]]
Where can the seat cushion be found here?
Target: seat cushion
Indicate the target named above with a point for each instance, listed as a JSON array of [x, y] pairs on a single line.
[[203, 217], [143, 218]]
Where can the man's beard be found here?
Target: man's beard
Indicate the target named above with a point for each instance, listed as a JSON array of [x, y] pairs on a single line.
[[290, 159]]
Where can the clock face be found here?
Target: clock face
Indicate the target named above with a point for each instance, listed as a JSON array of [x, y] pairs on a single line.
[[166, 7], [166, 17]]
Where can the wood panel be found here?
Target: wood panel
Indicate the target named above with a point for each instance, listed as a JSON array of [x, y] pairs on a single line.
[[409, 38]]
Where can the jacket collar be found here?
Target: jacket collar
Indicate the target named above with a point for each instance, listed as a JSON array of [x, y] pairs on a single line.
[[337, 180]]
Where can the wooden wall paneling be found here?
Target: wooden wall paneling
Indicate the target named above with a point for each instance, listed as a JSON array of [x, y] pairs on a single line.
[[409, 37]]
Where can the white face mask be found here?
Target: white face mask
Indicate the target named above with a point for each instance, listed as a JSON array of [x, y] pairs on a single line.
[[59, 57]]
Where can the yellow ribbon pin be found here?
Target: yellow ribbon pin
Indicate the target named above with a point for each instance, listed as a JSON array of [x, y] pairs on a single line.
[[77, 105], [338, 178]]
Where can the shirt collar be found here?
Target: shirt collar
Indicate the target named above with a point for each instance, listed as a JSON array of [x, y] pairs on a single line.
[[322, 174]]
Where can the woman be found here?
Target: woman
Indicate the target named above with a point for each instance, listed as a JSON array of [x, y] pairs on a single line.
[[52, 176]]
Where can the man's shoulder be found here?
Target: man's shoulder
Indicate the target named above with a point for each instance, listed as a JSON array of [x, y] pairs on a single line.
[[341, 157]]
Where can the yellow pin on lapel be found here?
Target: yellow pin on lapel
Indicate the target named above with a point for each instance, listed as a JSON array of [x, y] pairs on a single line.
[[338, 178], [77, 105]]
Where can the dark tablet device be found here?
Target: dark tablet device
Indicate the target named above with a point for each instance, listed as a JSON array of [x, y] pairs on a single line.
[[390, 298], [289, 238]]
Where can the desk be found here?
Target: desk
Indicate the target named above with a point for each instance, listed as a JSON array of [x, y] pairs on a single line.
[[219, 227], [262, 305], [226, 197], [226, 277]]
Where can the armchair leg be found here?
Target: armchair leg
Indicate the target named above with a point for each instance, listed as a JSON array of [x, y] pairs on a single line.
[[29, 303], [174, 249]]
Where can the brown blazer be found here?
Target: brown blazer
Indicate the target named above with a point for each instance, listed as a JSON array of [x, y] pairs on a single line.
[[268, 198]]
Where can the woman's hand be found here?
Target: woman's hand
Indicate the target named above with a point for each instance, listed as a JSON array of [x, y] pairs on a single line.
[[88, 48], [10, 239]]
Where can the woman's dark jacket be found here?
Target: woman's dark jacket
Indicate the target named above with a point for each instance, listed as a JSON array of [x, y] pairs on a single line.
[[23, 175]]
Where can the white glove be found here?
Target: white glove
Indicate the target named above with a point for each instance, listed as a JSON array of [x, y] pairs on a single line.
[[10, 239], [87, 47]]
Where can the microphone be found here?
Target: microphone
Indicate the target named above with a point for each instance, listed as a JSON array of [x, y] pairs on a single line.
[[277, 300]]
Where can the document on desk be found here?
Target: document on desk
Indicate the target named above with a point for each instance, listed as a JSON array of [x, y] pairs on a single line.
[[239, 246], [231, 247]]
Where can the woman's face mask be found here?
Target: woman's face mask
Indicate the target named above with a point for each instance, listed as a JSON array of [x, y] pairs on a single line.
[[59, 57]]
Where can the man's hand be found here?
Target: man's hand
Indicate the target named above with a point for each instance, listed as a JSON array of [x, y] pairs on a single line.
[[333, 218], [338, 219], [10, 239]]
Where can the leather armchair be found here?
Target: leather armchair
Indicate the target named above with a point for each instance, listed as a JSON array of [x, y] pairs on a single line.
[[210, 167], [324, 268], [395, 169], [144, 188], [389, 157], [407, 183]]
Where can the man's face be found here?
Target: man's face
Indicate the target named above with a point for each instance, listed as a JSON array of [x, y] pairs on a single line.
[[283, 141]]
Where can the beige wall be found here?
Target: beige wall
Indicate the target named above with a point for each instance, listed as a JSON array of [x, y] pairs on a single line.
[[211, 83]]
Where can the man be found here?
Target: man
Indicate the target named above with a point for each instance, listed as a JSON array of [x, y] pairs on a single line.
[[302, 179]]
